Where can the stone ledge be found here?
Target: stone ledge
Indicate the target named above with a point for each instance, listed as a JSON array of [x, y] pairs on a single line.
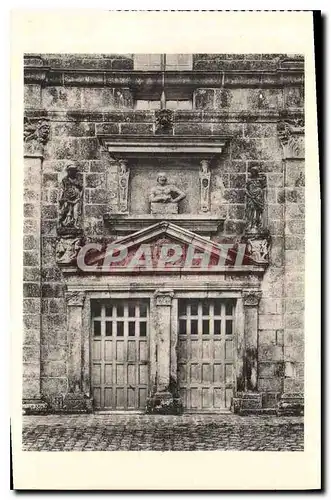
[[201, 224], [34, 407]]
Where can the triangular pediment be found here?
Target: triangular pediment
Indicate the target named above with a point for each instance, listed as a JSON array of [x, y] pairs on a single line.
[[166, 232]]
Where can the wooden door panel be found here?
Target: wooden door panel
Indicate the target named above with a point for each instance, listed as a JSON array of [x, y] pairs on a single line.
[[119, 355], [205, 354]]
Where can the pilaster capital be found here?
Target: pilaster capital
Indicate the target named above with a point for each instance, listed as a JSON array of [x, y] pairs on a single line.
[[163, 297], [36, 135], [75, 298], [251, 297]]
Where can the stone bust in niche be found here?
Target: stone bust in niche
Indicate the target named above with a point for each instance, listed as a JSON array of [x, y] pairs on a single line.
[[164, 197]]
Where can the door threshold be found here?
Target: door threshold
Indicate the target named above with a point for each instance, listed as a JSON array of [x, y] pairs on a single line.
[[118, 412], [207, 412]]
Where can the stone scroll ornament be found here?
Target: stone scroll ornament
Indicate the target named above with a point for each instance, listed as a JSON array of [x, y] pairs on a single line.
[[70, 203]]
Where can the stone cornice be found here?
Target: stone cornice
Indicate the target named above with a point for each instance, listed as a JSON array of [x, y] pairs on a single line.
[[147, 83], [194, 115]]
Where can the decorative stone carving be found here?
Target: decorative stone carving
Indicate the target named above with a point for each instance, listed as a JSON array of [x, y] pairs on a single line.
[[204, 176], [258, 247], [251, 297], [290, 132], [163, 297], [123, 186], [75, 298], [70, 203], [36, 135], [67, 249], [164, 197], [164, 121], [255, 201]]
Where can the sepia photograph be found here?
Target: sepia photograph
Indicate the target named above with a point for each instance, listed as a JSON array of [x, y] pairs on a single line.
[[164, 208], [165, 276]]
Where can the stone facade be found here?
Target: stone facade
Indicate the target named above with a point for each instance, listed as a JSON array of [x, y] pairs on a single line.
[[247, 111]]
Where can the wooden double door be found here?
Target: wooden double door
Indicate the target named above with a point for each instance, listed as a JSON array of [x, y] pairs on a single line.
[[120, 360]]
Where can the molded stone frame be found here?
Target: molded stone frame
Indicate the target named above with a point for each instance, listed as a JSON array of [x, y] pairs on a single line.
[[163, 389]]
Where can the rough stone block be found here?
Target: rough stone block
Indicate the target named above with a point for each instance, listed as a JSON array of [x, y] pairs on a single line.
[[275, 180], [270, 321], [280, 337], [53, 369], [294, 336], [52, 290], [257, 130], [294, 97], [234, 166], [193, 129], [61, 98], [295, 227], [268, 352], [293, 385], [136, 128], [294, 353], [73, 129], [238, 181], [54, 386], [234, 227], [31, 321], [275, 212], [235, 196], [270, 384], [270, 306], [73, 148], [31, 336], [267, 336], [294, 289], [236, 212], [32, 96], [31, 274], [295, 211], [53, 352], [30, 226], [294, 243], [31, 306], [204, 98], [31, 290], [294, 305], [31, 353], [30, 387]]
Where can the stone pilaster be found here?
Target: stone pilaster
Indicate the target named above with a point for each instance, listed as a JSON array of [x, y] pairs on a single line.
[[291, 137], [75, 400], [163, 401], [249, 400], [36, 134]]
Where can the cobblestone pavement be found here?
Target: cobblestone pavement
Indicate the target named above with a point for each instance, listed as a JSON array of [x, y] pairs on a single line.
[[144, 432]]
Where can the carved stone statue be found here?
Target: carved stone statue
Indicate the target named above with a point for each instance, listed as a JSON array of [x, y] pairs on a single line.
[[165, 197], [70, 202], [255, 201]]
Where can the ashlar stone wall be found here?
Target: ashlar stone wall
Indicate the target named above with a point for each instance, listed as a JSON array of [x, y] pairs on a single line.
[[258, 100]]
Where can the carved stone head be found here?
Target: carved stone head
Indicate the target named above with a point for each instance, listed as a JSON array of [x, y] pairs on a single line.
[[162, 178]]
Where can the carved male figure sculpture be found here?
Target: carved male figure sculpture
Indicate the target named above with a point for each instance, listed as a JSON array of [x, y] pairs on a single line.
[[255, 202], [165, 194], [70, 203]]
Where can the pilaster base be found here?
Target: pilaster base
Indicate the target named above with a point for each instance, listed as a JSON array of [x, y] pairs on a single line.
[[76, 403], [247, 403], [164, 403], [34, 407], [291, 404]]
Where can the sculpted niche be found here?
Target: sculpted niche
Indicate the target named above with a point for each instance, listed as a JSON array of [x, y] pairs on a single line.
[[70, 202]]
